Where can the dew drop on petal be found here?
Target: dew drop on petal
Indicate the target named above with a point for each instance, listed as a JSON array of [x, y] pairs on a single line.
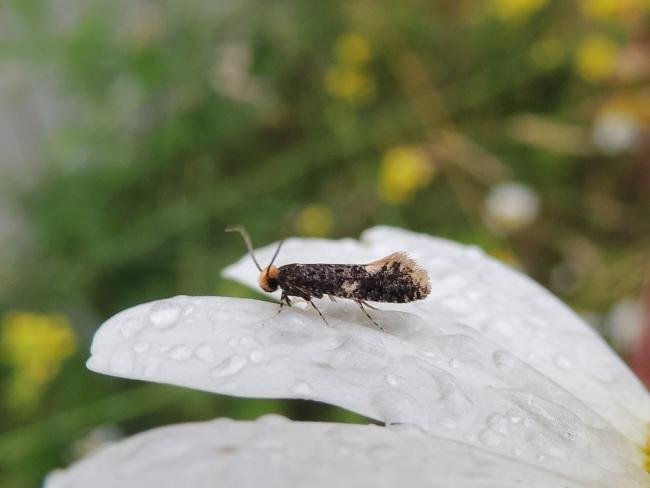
[[382, 452], [256, 355], [130, 327], [562, 362], [180, 353], [515, 415], [205, 353], [229, 366], [498, 423], [490, 438], [122, 362], [164, 314], [301, 388], [233, 341], [504, 360], [141, 346], [448, 423], [393, 380]]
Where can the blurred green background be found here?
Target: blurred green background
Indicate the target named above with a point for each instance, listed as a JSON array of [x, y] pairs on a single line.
[[133, 132]]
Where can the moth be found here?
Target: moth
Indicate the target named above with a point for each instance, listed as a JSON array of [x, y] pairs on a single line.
[[395, 278]]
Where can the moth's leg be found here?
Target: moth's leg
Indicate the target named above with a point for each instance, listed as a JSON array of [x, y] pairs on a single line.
[[331, 298], [368, 305], [319, 312], [284, 298], [361, 304]]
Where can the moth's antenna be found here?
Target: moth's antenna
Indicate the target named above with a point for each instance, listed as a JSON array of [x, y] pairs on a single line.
[[274, 256], [247, 240]]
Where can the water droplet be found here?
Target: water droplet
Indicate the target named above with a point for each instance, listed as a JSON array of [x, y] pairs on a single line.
[[498, 423], [205, 353], [233, 341], [122, 362], [448, 423], [130, 327], [393, 380], [229, 366], [301, 388], [164, 314], [256, 355], [515, 415], [246, 341], [396, 406], [504, 360], [427, 351], [188, 311], [382, 452], [180, 353], [141, 346], [548, 444], [562, 362], [489, 437]]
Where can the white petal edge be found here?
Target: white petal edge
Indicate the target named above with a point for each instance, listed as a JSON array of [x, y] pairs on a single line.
[[502, 304], [273, 452]]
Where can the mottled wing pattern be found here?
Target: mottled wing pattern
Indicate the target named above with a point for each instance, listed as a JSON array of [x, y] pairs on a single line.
[[395, 278]]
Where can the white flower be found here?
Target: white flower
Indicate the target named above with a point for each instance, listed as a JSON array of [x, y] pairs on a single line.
[[511, 206], [616, 132], [490, 381]]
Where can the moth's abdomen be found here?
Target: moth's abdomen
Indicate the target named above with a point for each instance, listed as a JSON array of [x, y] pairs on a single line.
[[395, 279]]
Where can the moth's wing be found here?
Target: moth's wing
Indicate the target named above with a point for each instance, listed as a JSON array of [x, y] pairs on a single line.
[[403, 267]]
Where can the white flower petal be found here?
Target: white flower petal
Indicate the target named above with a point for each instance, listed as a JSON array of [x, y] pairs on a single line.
[[274, 452], [427, 369], [499, 302]]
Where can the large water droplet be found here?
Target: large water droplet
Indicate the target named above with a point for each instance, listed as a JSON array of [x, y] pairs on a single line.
[[180, 353], [205, 353], [229, 366], [256, 355], [490, 438], [562, 362], [164, 314], [393, 380], [131, 327], [141, 346], [122, 362], [504, 360], [382, 452], [548, 444], [301, 388], [498, 423]]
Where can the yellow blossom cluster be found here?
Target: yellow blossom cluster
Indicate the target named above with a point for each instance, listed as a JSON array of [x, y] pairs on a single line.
[[517, 10], [348, 78], [34, 346], [403, 171], [315, 221], [596, 58], [613, 10]]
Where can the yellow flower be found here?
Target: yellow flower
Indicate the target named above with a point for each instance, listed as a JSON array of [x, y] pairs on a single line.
[[517, 10], [612, 10], [596, 58], [353, 49], [403, 171], [315, 221], [34, 345], [349, 84]]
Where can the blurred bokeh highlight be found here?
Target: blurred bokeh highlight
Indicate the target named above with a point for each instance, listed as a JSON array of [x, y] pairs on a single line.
[[133, 132]]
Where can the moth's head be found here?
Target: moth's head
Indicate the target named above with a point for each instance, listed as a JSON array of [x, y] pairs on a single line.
[[268, 279]]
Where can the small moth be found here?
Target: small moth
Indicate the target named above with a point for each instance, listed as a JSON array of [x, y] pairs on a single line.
[[395, 278]]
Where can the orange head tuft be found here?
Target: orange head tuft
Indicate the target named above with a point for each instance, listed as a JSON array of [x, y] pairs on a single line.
[[268, 279]]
